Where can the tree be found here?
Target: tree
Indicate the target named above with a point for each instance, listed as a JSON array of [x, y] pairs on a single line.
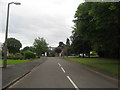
[[13, 45], [40, 46], [96, 29], [58, 50], [28, 48], [66, 49], [61, 45], [29, 54], [107, 38], [67, 42]]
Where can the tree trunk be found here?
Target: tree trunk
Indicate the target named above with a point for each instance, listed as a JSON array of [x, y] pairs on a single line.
[[83, 55]]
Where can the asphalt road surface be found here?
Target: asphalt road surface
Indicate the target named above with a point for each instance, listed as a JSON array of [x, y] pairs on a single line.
[[56, 72]]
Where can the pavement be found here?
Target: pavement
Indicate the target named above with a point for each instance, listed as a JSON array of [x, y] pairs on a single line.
[[13, 72], [56, 72]]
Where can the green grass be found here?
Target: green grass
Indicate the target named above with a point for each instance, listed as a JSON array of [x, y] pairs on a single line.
[[106, 65], [12, 62]]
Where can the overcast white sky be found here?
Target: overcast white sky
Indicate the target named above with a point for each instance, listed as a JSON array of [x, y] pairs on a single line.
[[51, 19]]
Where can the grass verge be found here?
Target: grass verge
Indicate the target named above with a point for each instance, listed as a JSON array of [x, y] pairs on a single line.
[[106, 65], [13, 62]]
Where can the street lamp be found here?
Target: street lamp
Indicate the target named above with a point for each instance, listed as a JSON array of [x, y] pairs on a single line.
[[6, 34]]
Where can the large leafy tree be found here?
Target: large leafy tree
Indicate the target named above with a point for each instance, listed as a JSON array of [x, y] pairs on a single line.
[[13, 45], [97, 25], [40, 46], [107, 29], [28, 48], [67, 47], [58, 50], [61, 45], [67, 42]]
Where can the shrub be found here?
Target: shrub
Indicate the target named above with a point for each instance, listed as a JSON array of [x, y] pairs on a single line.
[[0, 54], [19, 56], [37, 56], [10, 56], [93, 53], [15, 56], [29, 54], [51, 55]]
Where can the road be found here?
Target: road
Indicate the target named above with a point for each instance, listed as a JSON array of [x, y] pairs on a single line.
[[59, 73]]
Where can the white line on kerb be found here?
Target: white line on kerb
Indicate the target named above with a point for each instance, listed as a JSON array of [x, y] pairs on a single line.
[[63, 70], [59, 64], [73, 83]]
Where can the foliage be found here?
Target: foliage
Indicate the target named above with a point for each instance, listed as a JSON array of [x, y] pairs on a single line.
[[93, 53], [61, 45], [13, 45], [95, 30], [15, 56], [67, 42], [19, 56], [64, 49], [0, 54], [27, 48], [29, 55], [67, 49], [58, 50], [40, 46], [13, 62], [51, 54]]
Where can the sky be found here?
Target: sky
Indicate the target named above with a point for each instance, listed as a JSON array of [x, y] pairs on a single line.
[[50, 19]]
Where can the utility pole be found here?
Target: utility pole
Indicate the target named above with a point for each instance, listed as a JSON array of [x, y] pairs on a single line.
[[6, 34]]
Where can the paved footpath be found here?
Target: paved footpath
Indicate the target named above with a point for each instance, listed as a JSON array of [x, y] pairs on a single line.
[[14, 71], [58, 73]]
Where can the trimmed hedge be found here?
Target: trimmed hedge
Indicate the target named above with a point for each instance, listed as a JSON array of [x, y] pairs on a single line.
[[29, 55]]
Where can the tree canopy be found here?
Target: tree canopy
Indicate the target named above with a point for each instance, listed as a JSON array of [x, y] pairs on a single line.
[[58, 50], [97, 28], [40, 46], [28, 48], [13, 45]]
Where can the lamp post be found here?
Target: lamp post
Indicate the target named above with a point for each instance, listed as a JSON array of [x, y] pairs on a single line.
[[6, 34]]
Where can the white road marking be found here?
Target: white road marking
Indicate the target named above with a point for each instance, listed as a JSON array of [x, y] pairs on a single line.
[[73, 83], [59, 64], [69, 77], [63, 69]]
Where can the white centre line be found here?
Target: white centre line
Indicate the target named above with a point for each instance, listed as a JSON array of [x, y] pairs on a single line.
[[59, 64], [69, 77], [63, 69], [73, 83]]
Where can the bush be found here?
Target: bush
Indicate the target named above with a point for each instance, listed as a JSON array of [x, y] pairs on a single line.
[[29, 55], [15, 56], [37, 56], [0, 54], [93, 53], [19, 56], [10, 56], [51, 55]]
